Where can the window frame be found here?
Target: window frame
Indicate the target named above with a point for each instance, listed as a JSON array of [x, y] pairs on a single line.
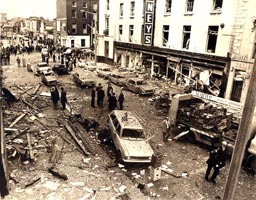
[[212, 33], [132, 9], [74, 4], [164, 32], [188, 7], [131, 32], [74, 14], [185, 44], [121, 9], [168, 7]]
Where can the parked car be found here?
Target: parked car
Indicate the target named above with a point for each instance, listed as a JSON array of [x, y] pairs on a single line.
[[41, 67], [60, 69], [84, 81], [116, 78], [139, 86], [90, 66], [129, 137], [49, 78], [104, 72]]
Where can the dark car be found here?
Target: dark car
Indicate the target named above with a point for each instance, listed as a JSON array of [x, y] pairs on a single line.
[[139, 86], [60, 69]]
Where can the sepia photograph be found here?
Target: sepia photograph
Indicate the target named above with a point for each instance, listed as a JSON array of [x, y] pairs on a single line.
[[127, 99]]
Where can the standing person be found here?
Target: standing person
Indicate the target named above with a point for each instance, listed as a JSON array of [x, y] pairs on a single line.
[[93, 97], [74, 62], [112, 102], [54, 96], [97, 89], [216, 160], [100, 97], [54, 57], [18, 61], [166, 128], [109, 89], [121, 99], [63, 98]]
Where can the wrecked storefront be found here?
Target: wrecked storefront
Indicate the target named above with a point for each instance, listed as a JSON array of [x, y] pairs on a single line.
[[202, 72]]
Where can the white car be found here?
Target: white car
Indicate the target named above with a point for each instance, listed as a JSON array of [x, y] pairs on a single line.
[[41, 67], [129, 137], [81, 64]]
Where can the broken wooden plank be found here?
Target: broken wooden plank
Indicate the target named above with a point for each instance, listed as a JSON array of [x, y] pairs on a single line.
[[37, 88], [42, 124], [170, 173], [72, 133], [33, 182], [57, 174], [20, 133], [31, 153], [17, 120], [69, 142]]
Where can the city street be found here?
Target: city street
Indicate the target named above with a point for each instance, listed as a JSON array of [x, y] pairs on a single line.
[[99, 176]]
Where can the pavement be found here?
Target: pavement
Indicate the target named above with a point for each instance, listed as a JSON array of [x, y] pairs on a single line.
[[98, 176]]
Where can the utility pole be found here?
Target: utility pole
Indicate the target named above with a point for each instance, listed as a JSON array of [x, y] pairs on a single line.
[[4, 187], [242, 138]]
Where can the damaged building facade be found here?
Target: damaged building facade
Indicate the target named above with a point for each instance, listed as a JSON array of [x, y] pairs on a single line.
[[211, 43]]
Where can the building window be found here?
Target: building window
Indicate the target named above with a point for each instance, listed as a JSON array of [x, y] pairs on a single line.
[[217, 4], [84, 29], [189, 5], [212, 38], [120, 32], [84, 4], [82, 42], [73, 3], [84, 15], [168, 6], [165, 35], [121, 10], [106, 53], [132, 9], [131, 27], [186, 36], [107, 4], [73, 13], [106, 31], [74, 28], [72, 43]]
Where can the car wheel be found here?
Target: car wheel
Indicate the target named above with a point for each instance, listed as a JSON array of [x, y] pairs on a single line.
[[191, 137]]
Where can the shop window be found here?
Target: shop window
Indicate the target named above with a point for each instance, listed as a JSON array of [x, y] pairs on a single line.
[[73, 3], [165, 35], [186, 36], [168, 6], [212, 38], [82, 42], [217, 4], [132, 9], [74, 14], [72, 43], [189, 5], [121, 10], [74, 28], [131, 27]]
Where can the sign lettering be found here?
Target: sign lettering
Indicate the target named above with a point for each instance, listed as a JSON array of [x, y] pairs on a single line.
[[149, 22]]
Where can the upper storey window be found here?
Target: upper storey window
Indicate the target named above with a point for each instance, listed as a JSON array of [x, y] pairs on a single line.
[[189, 5], [121, 10], [132, 9], [73, 3], [217, 4], [168, 6]]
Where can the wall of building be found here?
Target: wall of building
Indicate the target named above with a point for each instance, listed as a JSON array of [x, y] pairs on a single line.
[[77, 41]]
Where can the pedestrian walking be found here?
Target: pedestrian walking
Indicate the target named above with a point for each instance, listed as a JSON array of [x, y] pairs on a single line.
[[54, 57], [55, 96], [63, 98], [18, 61], [121, 99], [166, 128], [100, 97], [109, 89], [216, 161], [112, 102], [93, 93], [74, 62]]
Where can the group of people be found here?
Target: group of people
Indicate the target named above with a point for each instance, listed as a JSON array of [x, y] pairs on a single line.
[[56, 97], [217, 157], [112, 100]]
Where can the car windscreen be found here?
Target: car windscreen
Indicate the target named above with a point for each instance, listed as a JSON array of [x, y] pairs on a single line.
[[141, 82], [133, 133]]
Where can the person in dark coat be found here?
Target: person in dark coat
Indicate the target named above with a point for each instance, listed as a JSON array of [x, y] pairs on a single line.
[[55, 96], [121, 100], [63, 98], [93, 97], [216, 160], [112, 102], [100, 97]]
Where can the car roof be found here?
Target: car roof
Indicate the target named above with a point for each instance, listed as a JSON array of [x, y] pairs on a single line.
[[131, 121], [42, 64]]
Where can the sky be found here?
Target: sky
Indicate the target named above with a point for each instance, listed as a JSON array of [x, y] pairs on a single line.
[[28, 8]]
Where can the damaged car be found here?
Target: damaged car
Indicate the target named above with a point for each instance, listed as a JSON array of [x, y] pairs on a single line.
[[139, 86]]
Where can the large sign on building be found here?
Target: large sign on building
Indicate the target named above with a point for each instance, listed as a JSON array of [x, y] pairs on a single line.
[[149, 22]]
